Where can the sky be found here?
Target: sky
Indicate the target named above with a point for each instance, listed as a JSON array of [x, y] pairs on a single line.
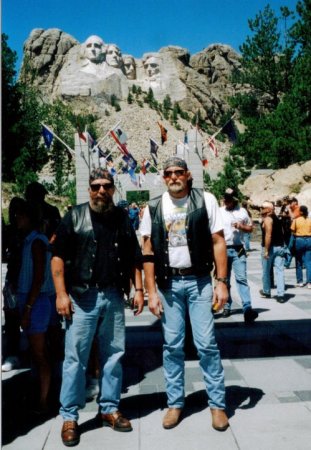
[[137, 26]]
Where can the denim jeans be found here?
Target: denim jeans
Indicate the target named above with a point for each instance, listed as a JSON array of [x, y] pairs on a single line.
[[247, 241], [100, 312], [303, 256], [238, 264], [276, 259], [195, 294]]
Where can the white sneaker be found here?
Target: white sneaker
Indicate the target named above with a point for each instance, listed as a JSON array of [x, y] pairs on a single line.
[[92, 389], [10, 363], [300, 285], [309, 286]]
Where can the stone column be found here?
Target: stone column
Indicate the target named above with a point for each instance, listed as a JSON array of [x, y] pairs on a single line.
[[192, 152], [82, 169]]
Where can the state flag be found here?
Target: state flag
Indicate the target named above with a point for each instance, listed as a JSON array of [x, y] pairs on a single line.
[[120, 135], [154, 151], [163, 133], [230, 130], [212, 145], [47, 136]]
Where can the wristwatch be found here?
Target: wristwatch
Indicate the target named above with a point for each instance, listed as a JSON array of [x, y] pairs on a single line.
[[223, 280]]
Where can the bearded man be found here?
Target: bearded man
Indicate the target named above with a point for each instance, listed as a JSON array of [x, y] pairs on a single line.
[[95, 255], [183, 239]]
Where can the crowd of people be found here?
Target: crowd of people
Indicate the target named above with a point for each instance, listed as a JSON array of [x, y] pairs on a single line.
[[68, 278]]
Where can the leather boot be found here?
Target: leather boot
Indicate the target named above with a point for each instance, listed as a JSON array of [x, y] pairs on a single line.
[[219, 419], [171, 418]]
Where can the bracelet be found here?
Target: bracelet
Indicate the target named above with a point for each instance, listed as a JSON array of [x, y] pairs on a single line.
[[28, 306], [139, 290], [223, 280]]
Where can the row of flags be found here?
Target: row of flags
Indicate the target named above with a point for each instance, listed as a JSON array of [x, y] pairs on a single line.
[[127, 163]]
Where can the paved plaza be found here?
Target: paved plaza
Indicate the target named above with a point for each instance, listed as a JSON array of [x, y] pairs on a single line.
[[268, 385]]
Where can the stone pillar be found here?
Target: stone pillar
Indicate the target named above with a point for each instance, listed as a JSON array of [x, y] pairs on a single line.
[[82, 169], [191, 154]]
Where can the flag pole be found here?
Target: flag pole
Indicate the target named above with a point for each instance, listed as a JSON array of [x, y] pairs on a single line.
[[72, 152], [218, 131], [105, 136]]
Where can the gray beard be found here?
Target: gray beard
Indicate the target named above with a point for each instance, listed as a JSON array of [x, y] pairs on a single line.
[[101, 207], [175, 188]]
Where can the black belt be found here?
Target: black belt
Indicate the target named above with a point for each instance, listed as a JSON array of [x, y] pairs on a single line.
[[185, 271], [236, 247]]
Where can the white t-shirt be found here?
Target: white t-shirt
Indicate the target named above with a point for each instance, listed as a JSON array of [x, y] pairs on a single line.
[[238, 214], [174, 214]]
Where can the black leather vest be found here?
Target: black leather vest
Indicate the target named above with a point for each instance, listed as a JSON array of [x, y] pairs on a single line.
[[79, 267], [199, 237], [277, 237]]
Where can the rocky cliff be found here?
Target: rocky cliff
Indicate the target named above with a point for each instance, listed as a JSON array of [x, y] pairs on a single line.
[[65, 68]]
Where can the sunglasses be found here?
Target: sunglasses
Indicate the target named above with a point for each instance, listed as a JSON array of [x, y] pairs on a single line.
[[170, 173], [96, 187]]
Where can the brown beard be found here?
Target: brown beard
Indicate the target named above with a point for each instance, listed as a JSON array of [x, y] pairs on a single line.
[[102, 207]]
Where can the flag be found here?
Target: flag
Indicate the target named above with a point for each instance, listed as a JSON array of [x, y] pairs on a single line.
[[154, 151], [144, 166], [111, 169], [230, 131], [47, 136], [163, 133], [125, 169], [90, 139], [104, 154], [120, 135], [212, 145], [133, 177], [130, 161], [121, 145], [205, 163], [82, 136]]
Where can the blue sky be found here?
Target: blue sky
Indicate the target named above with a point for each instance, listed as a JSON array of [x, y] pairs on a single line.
[[137, 26]]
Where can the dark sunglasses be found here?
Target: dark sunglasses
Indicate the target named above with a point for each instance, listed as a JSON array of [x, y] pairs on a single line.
[[96, 187], [169, 173]]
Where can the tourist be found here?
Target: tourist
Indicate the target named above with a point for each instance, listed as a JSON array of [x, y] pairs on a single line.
[[97, 252], [183, 237], [301, 228]]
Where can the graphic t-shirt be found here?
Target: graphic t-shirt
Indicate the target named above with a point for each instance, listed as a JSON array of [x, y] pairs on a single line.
[[174, 214]]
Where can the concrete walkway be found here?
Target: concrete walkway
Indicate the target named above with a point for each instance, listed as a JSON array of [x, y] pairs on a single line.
[[268, 385]]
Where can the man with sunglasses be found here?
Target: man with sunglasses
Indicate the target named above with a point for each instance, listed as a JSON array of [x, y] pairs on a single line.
[[95, 255], [183, 238]]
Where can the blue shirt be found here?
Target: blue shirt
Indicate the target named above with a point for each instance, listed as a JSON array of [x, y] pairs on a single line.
[[25, 277]]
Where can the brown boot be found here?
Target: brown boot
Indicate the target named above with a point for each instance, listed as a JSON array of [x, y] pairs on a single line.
[[116, 421], [70, 433], [219, 419], [172, 418]]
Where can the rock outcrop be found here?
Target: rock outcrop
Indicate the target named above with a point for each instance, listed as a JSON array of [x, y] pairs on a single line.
[[62, 67], [295, 181]]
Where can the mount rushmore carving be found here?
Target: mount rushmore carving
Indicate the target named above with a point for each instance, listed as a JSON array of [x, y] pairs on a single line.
[[67, 68]]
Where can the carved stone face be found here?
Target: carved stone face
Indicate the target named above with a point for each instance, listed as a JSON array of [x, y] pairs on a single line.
[[94, 49], [129, 67], [151, 66], [114, 56]]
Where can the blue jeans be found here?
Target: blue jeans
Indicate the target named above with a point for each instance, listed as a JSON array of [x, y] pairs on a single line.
[[247, 241], [100, 312], [195, 294], [276, 259], [238, 264], [303, 256]]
